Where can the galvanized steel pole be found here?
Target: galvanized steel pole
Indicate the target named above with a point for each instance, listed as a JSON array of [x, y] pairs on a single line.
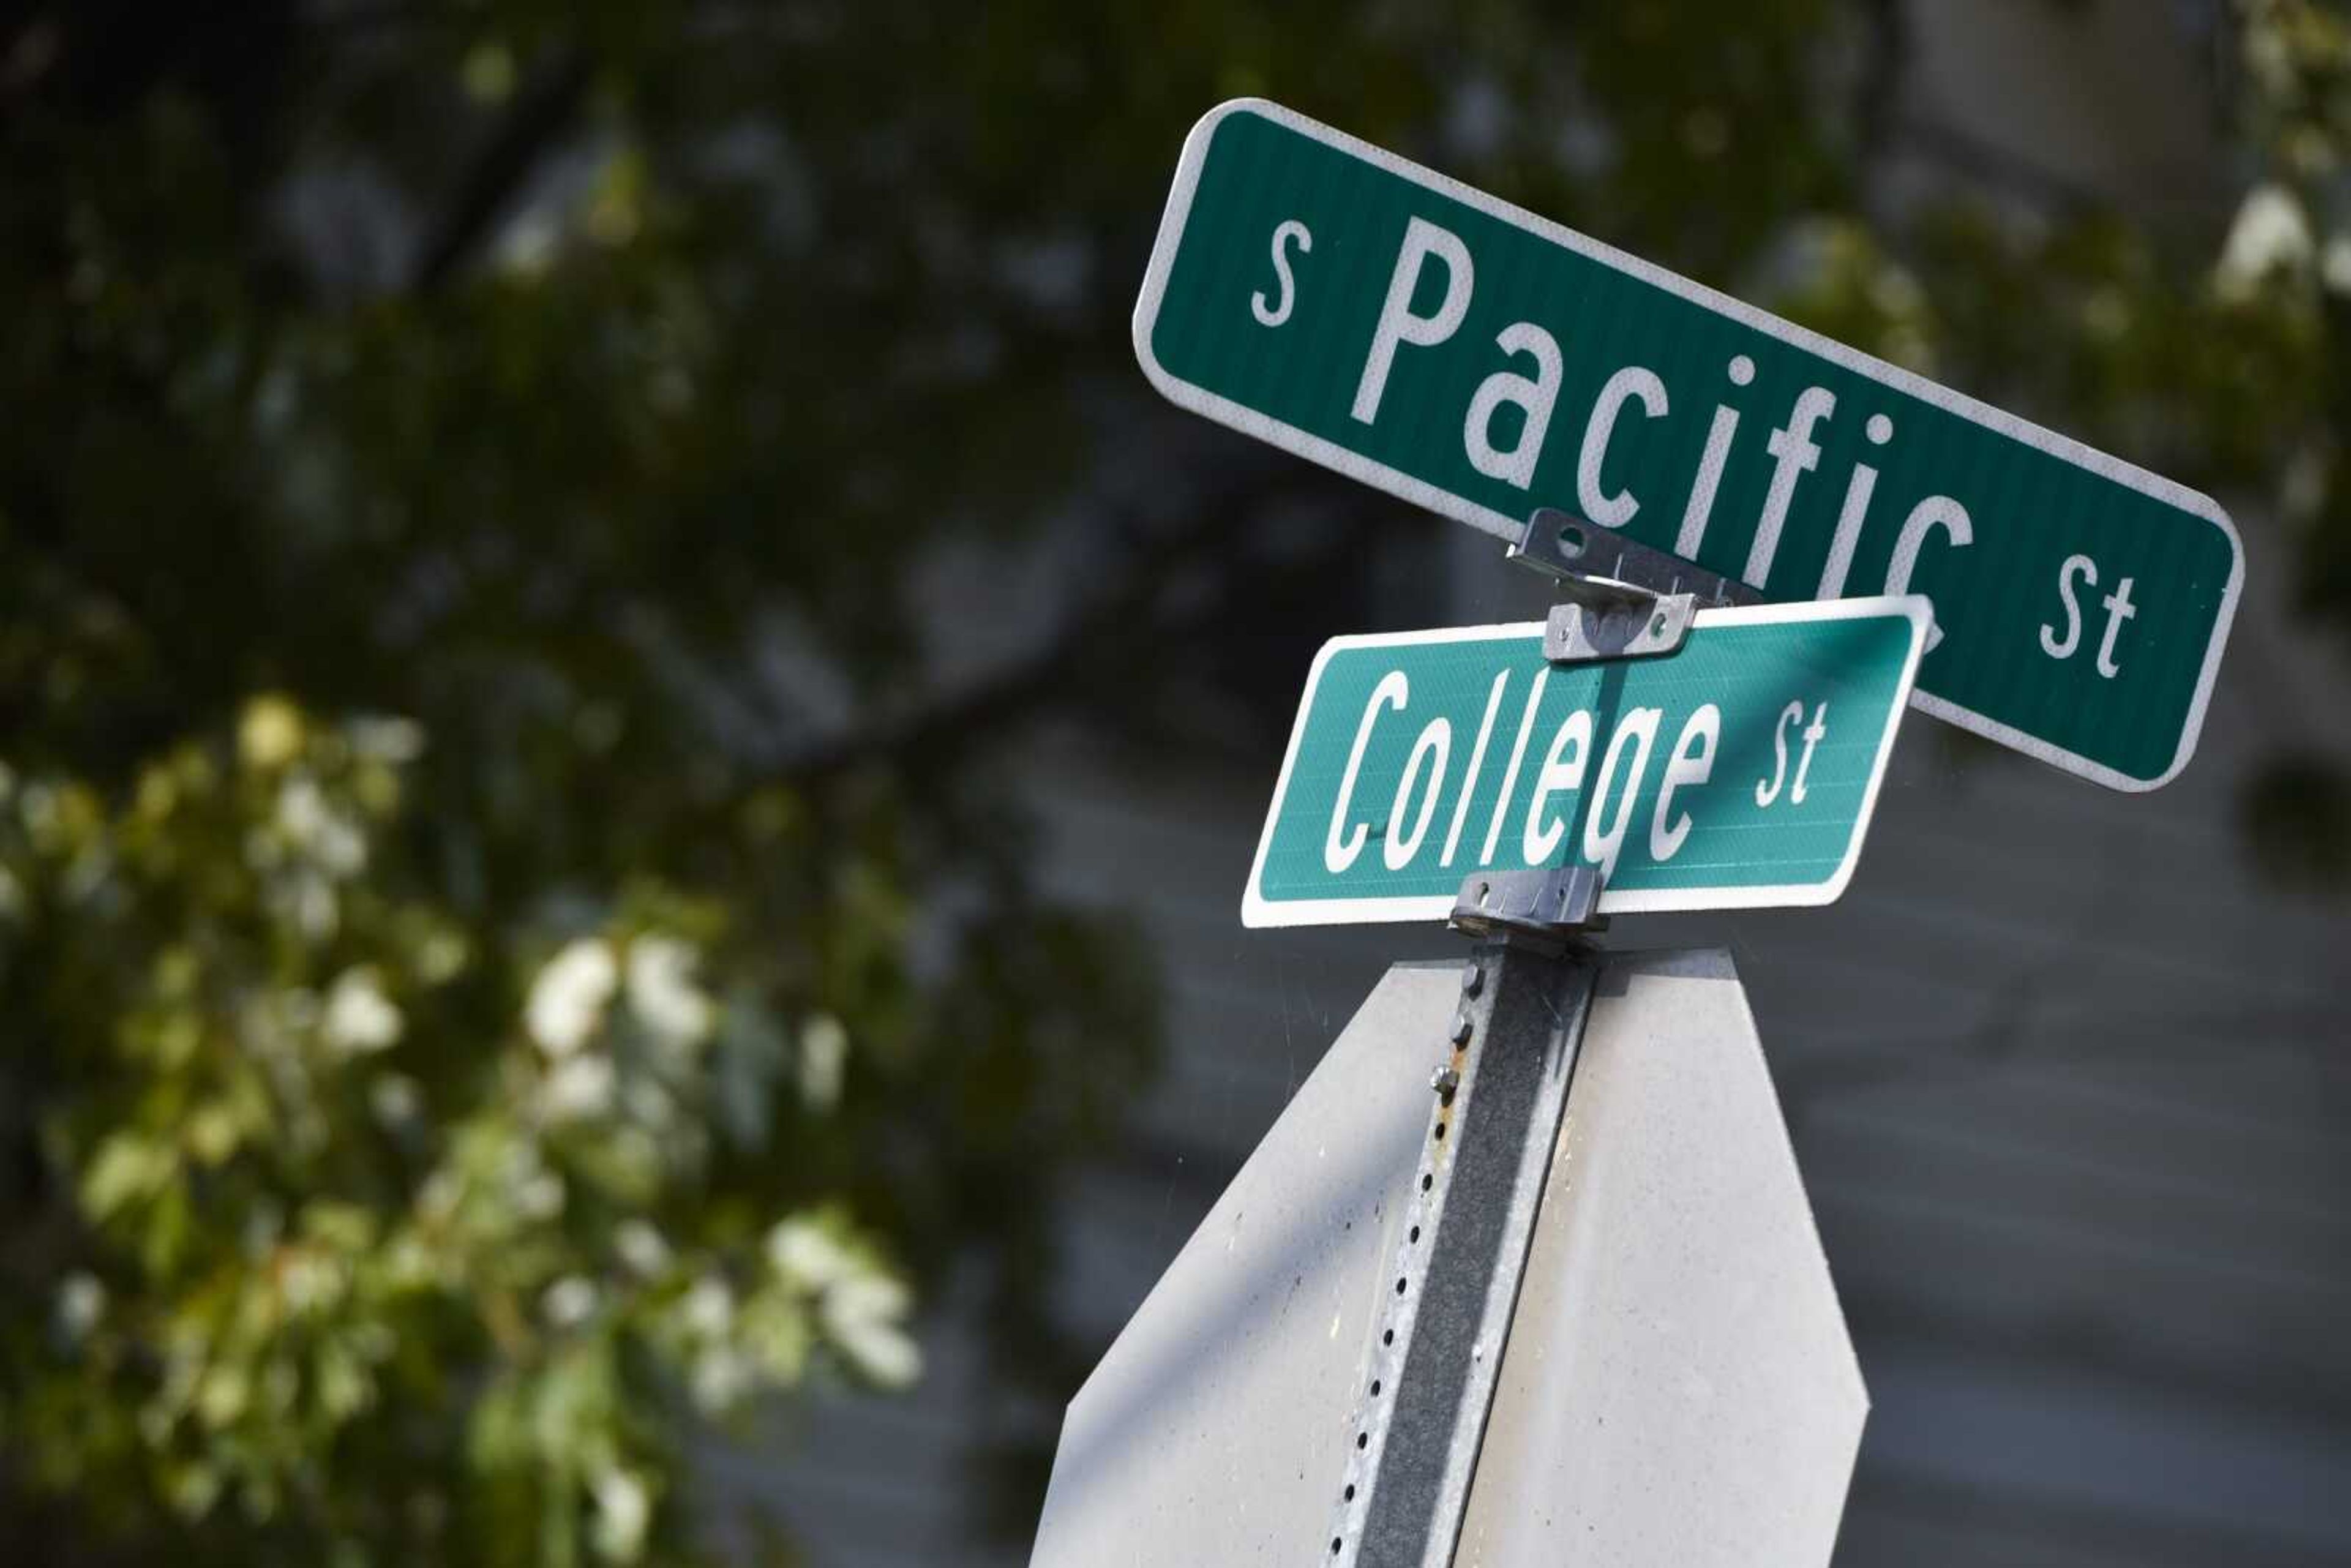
[[1461, 1249]]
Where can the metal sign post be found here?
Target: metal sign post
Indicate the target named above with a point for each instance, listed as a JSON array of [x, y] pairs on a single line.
[[1499, 1091]]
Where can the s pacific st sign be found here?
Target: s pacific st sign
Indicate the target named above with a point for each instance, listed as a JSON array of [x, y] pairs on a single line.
[[1352, 308]]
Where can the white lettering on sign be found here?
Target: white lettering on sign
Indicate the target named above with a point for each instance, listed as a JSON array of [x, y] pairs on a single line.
[[1857, 492], [1794, 455], [1510, 774], [2058, 647], [1561, 774], [1768, 789], [1477, 766], [1287, 232], [1535, 399], [1691, 763], [1934, 512], [1814, 733], [2118, 605], [1340, 847], [1700, 509], [1435, 744], [1422, 240], [1426, 782], [2119, 609], [1792, 447], [1601, 845], [1632, 381]]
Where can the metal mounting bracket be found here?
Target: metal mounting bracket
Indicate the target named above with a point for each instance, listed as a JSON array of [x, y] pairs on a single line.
[[1623, 599], [1554, 905]]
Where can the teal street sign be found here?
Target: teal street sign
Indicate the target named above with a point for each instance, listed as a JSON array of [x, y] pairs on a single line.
[[1735, 773], [1335, 300]]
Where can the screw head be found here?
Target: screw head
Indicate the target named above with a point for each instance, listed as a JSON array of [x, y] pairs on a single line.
[[1445, 1080], [1473, 979], [1462, 1024]]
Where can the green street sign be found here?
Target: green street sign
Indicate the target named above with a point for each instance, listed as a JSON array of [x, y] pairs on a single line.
[[1352, 308], [1736, 773]]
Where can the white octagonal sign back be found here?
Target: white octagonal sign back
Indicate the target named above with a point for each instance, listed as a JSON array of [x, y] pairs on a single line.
[[1677, 1387]]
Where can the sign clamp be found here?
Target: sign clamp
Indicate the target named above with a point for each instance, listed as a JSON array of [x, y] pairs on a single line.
[[1550, 908], [1622, 598]]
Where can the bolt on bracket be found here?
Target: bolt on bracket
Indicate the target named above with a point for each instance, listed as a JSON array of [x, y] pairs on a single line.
[[1623, 599], [1552, 903]]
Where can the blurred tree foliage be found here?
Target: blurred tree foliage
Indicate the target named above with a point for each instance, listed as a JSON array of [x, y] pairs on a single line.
[[511, 948]]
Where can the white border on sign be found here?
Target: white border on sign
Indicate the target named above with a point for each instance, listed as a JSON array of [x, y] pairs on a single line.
[[1259, 913], [1291, 438]]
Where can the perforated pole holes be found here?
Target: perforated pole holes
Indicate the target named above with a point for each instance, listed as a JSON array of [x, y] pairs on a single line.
[[1395, 1329], [1420, 1413]]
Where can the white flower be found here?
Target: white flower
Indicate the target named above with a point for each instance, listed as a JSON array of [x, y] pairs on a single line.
[[567, 1000], [269, 735], [81, 1300], [623, 1509], [387, 739], [708, 1309], [441, 956], [540, 1196], [311, 824], [721, 1375], [866, 1318], [807, 1255], [2335, 264], [527, 248], [579, 1087], [360, 1018], [649, 1104], [824, 1053], [641, 1247], [38, 807], [2270, 231], [437, 1197], [394, 1100], [569, 1302], [305, 1281], [662, 991]]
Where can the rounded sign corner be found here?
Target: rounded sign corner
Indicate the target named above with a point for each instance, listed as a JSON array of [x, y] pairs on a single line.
[[2128, 785], [1919, 611], [2196, 503], [1247, 103], [1145, 318], [1834, 889], [1322, 661]]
